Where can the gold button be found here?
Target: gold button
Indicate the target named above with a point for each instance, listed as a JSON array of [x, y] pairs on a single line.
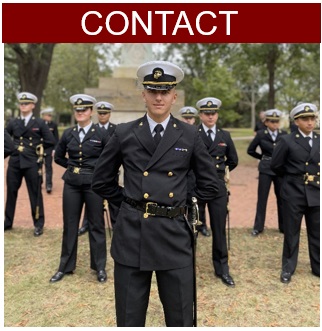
[[170, 173], [80, 145], [170, 195], [217, 165], [307, 173], [80, 159], [145, 173], [318, 183], [174, 125], [41, 139], [145, 215], [30, 144], [217, 157], [21, 144], [306, 163], [306, 183], [274, 144], [146, 195], [80, 153], [318, 163], [30, 138], [318, 174], [21, 138]]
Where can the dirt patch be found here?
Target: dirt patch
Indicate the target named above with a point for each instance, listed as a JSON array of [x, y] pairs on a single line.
[[243, 198]]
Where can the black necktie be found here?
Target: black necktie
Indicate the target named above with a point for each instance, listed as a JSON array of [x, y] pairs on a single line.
[[22, 121], [209, 136], [157, 137], [308, 139]]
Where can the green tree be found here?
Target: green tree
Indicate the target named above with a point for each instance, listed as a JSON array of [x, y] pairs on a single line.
[[75, 67], [32, 62]]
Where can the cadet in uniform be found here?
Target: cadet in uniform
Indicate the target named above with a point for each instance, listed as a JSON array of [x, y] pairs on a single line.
[[267, 139], [83, 145], [151, 232], [103, 110], [222, 149], [297, 158], [188, 114], [28, 134], [49, 152]]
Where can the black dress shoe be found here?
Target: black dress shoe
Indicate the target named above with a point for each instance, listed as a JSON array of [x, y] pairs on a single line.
[[7, 226], [226, 279], [82, 230], [101, 276], [286, 277], [255, 233], [59, 275], [38, 231], [49, 188], [205, 232]]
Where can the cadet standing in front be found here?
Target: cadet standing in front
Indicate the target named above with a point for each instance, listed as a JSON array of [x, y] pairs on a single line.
[[222, 149], [151, 232], [103, 109], [78, 151], [49, 152], [297, 159], [267, 139], [28, 134]]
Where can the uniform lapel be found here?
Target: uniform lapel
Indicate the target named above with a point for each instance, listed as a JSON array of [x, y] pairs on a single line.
[[143, 134], [204, 136], [91, 132], [302, 142], [75, 134], [316, 144], [170, 137], [216, 141]]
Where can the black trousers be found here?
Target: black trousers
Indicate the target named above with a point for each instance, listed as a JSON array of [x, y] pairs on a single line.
[[218, 216], [74, 197], [264, 185], [132, 291], [292, 216], [14, 180], [49, 167]]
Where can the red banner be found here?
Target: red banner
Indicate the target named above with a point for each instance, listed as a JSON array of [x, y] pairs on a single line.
[[151, 23]]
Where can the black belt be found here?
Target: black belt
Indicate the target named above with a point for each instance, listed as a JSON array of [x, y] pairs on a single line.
[[80, 171], [267, 158], [153, 209], [307, 177]]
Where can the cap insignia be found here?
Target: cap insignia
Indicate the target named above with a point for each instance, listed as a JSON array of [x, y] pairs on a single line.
[[274, 114], [24, 96], [307, 108], [189, 111], [102, 106], [209, 103], [157, 73], [79, 101]]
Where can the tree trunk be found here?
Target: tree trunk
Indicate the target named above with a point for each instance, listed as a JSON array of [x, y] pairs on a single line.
[[272, 57], [33, 68]]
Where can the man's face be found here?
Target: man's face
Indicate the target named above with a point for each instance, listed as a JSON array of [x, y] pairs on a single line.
[[103, 117], [189, 120], [209, 119], [47, 117], [272, 124], [26, 108], [159, 103], [306, 124]]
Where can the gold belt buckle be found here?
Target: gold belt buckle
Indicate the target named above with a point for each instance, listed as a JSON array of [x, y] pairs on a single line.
[[76, 170], [21, 148], [147, 214], [310, 178]]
